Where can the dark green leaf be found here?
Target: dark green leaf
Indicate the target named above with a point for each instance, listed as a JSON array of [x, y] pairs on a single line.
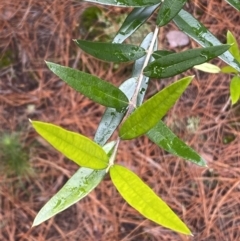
[[177, 63], [112, 52], [91, 86], [111, 118], [76, 147], [126, 3], [235, 89], [197, 31], [234, 3], [144, 200], [160, 53], [147, 115], [166, 139], [169, 10], [134, 20]]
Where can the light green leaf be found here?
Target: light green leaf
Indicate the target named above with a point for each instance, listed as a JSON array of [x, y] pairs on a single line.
[[234, 3], [234, 50], [176, 63], [141, 197], [74, 146], [147, 115], [209, 68], [126, 3], [112, 52], [235, 89], [91, 86], [169, 10], [197, 31], [166, 139], [75, 189], [228, 69], [134, 20]]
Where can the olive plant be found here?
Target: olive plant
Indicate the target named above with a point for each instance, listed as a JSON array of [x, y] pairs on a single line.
[[127, 110]]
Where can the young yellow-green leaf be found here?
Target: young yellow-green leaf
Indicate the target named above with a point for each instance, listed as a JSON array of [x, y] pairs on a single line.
[[176, 63], [169, 9], [209, 68], [197, 31], [75, 189], [144, 200], [134, 20], [166, 139], [234, 50], [235, 89], [228, 69], [112, 52], [74, 146], [147, 115], [234, 3], [91, 86], [126, 3]]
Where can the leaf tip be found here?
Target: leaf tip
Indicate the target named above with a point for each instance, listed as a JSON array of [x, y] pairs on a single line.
[[30, 120]]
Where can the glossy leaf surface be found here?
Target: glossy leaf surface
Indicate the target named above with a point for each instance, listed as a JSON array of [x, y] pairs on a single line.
[[126, 3], [74, 146], [134, 20], [169, 9], [209, 68], [91, 86], [162, 136], [112, 52], [197, 31], [235, 89], [111, 118], [141, 197], [75, 189], [149, 113], [234, 3], [234, 50], [177, 63]]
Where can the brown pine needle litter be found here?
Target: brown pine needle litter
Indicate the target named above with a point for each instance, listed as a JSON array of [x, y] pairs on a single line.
[[207, 199]]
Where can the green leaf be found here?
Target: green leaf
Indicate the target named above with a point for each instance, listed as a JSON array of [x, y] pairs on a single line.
[[166, 139], [91, 86], [234, 50], [74, 146], [169, 10], [75, 189], [160, 53], [235, 89], [111, 118], [141, 197], [112, 52], [228, 69], [147, 115], [134, 20], [126, 3], [209, 68], [197, 31], [234, 3], [177, 63]]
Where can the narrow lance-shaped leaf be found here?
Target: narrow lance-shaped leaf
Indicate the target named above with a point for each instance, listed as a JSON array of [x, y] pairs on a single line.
[[228, 69], [197, 31], [141, 197], [147, 115], [111, 118], [125, 3], [91, 86], [235, 89], [234, 50], [234, 3], [209, 68], [75, 189], [160, 53], [169, 10], [112, 52], [166, 139], [177, 63], [74, 146], [134, 20]]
